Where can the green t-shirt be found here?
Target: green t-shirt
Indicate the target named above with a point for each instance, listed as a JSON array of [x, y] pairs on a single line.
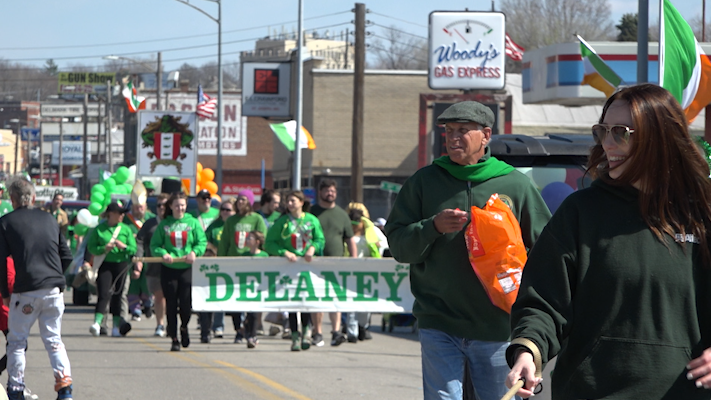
[[269, 219], [206, 218], [214, 232], [178, 237], [260, 254], [336, 226], [101, 236], [235, 232], [295, 235], [5, 207]]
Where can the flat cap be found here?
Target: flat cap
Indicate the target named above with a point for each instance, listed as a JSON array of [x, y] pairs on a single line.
[[116, 207], [468, 111]]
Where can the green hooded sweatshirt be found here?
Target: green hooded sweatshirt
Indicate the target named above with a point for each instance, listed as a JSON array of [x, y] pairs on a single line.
[[101, 236], [178, 237], [448, 294], [235, 232], [295, 235], [624, 313]]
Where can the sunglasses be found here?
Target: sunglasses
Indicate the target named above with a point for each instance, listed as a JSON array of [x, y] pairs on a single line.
[[206, 198], [226, 209], [160, 205], [620, 133]]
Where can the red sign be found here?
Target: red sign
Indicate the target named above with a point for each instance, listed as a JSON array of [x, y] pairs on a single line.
[[234, 188]]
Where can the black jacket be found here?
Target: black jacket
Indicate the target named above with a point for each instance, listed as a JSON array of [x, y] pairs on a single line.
[[33, 238]]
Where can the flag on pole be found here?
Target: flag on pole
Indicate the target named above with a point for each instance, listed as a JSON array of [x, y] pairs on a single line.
[[206, 105], [597, 74], [133, 100], [514, 51], [684, 69], [286, 132]]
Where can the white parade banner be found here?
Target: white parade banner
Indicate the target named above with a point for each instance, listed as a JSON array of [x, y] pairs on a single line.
[[326, 284]]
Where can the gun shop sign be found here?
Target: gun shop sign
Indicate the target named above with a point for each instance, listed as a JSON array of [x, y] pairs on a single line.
[[166, 144]]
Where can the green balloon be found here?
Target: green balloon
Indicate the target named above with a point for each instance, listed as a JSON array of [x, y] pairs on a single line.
[[96, 208], [80, 229], [98, 189], [110, 185], [121, 175], [97, 197], [128, 188]]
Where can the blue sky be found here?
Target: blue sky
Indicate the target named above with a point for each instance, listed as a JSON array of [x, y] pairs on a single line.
[[82, 31]]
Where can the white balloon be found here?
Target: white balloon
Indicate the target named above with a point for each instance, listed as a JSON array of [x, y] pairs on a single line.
[[131, 175], [93, 222], [545, 176], [84, 216]]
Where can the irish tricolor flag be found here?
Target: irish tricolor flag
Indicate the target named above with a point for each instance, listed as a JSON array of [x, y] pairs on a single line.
[[286, 132], [684, 69], [133, 101], [597, 74]]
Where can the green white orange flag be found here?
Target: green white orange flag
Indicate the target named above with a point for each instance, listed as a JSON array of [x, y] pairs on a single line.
[[684, 69], [286, 132], [133, 101], [597, 74]]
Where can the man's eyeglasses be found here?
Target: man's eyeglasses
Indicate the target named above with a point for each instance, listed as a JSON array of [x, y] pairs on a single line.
[[226, 209], [160, 205], [620, 133]]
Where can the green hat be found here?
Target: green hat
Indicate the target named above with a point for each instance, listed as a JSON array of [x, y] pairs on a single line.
[[468, 111], [149, 185]]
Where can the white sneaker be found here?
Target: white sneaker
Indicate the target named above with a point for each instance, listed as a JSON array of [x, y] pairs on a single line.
[[115, 332], [95, 329], [29, 395], [160, 331]]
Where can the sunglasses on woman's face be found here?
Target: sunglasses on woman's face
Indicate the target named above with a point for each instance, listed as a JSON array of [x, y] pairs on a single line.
[[225, 209], [160, 205], [620, 133]]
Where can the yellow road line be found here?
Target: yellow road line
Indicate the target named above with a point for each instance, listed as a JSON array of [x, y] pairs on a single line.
[[265, 380], [235, 379]]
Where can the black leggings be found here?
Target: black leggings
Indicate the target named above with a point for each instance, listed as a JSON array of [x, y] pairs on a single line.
[[294, 324], [177, 286], [109, 285]]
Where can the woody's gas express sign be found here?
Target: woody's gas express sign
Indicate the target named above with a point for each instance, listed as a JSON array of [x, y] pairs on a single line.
[[466, 50]]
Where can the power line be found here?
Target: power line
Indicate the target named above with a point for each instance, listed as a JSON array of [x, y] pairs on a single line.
[[399, 30], [398, 19], [164, 39]]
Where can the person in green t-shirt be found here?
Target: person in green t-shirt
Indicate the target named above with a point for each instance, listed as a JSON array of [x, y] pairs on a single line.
[[269, 206], [205, 214], [296, 234], [214, 231], [255, 243]]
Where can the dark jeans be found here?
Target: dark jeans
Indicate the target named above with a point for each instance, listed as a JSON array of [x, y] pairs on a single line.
[[109, 285], [294, 324], [177, 286], [250, 325]]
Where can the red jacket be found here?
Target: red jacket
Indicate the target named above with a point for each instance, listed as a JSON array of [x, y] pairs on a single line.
[[10, 283]]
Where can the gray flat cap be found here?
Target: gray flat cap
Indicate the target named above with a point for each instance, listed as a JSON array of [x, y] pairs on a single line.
[[468, 111]]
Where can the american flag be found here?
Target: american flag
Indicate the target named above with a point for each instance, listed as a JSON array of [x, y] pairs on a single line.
[[514, 51], [206, 104]]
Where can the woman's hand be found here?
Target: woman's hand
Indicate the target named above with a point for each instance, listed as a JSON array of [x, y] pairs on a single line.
[[523, 368], [120, 245], [190, 258], [167, 258], [290, 256], [109, 246], [700, 370], [309, 254], [136, 271]]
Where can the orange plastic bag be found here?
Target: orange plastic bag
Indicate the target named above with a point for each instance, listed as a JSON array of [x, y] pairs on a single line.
[[496, 251]]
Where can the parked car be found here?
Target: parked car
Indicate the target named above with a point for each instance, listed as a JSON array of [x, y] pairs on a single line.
[[192, 203]]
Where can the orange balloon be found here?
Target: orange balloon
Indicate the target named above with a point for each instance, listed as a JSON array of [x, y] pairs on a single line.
[[199, 179], [198, 188], [215, 196], [207, 174], [199, 168], [211, 187]]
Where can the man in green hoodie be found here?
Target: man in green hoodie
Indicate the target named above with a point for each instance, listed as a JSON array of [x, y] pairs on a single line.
[[458, 323]]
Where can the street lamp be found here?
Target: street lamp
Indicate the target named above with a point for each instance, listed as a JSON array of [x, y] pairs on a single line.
[[159, 83], [218, 169]]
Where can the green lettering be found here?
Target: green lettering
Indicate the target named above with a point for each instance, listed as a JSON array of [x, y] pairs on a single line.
[[244, 285], [305, 285], [362, 286], [229, 286], [273, 279], [388, 276], [332, 282]]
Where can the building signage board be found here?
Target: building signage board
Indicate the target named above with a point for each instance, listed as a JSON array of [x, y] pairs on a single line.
[[70, 110], [234, 125], [466, 50], [84, 82], [266, 89], [167, 144], [72, 153], [46, 193], [234, 188]]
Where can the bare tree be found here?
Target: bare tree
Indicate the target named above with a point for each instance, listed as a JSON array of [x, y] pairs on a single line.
[[696, 24], [397, 49], [535, 24]]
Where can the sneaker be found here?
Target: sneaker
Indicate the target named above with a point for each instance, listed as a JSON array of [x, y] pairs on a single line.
[[295, 342], [365, 335], [219, 333], [286, 335], [337, 339], [352, 338], [95, 329], [252, 343], [65, 393], [317, 340], [15, 395], [184, 337], [125, 328], [175, 346], [115, 332], [104, 331], [259, 332], [29, 395], [205, 339], [239, 338], [136, 317], [274, 330], [160, 331], [148, 312]]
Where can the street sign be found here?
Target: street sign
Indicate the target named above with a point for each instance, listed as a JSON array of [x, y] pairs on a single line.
[[390, 186], [33, 133]]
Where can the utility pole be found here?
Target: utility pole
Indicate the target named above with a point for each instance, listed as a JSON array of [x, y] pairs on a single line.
[[61, 149], [159, 84], [41, 156], [108, 116], [85, 168], [296, 184], [358, 105], [643, 41]]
